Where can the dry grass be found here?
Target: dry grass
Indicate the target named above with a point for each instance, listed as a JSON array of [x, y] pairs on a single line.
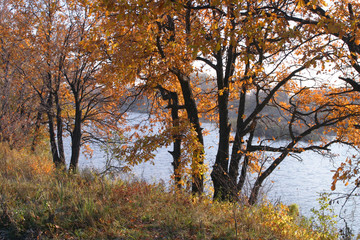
[[38, 202]]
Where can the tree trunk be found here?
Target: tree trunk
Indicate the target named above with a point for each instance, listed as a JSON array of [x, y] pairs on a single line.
[[236, 153], [36, 131], [53, 145], [176, 153], [259, 181], [173, 103], [54, 151], [76, 139], [192, 112], [59, 126], [245, 164], [219, 175]]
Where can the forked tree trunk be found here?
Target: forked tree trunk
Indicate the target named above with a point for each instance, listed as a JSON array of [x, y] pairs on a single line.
[[220, 175]]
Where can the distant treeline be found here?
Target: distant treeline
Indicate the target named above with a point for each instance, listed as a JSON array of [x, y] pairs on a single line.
[[273, 123]]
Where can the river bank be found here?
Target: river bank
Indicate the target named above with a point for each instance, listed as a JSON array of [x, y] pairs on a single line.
[[38, 202], [298, 180]]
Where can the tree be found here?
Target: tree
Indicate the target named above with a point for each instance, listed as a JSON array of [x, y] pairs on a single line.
[[251, 47], [338, 22], [254, 50], [153, 34], [63, 63], [19, 121]]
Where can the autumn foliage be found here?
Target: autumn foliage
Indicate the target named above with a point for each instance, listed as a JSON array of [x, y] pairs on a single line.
[[287, 55], [73, 69]]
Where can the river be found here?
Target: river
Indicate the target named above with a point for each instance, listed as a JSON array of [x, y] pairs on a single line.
[[293, 181]]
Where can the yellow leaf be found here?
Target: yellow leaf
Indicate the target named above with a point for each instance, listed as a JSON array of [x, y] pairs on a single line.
[[301, 3], [218, 47]]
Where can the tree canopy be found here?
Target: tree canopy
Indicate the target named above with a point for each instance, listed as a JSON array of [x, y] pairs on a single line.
[[263, 49]]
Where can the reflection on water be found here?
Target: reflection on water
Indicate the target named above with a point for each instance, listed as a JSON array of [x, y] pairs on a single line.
[[294, 181]]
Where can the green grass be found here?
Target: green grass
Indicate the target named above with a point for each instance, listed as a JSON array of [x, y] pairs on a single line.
[[37, 204]]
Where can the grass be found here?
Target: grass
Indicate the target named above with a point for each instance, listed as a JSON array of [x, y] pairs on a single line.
[[37, 202]]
